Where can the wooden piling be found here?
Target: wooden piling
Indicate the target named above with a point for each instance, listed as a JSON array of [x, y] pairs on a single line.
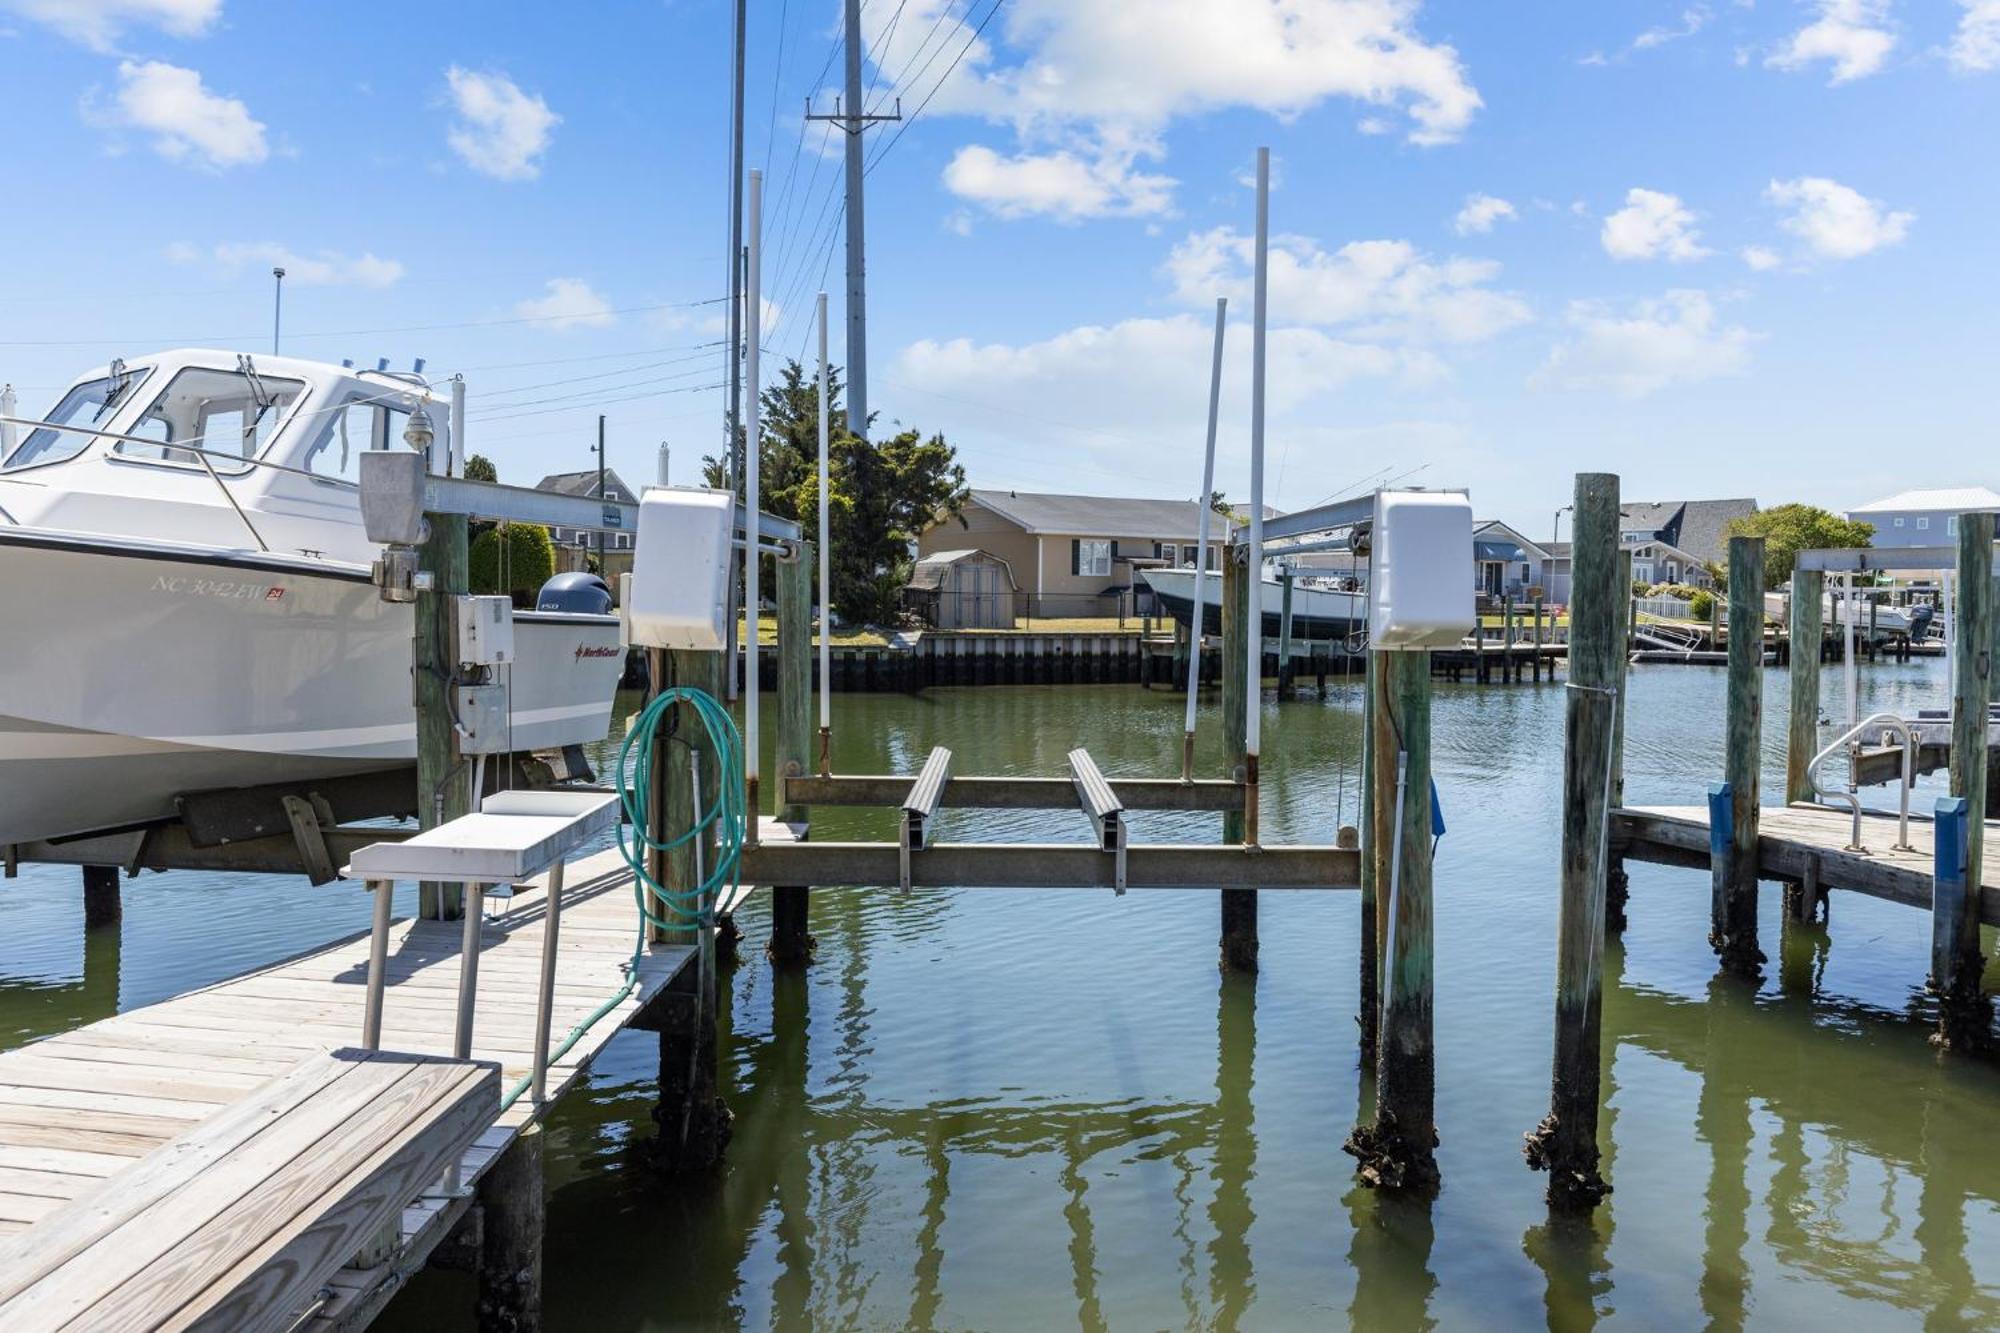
[[513, 1221], [1285, 635], [103, 905], [1617, 884], [444, 779], [1374, 864], [1964, 1020], [1805, 631], [1239, 694], [791, 942], [1538, 642], [1397, 1152], [1733, 907], [1565, 1143]]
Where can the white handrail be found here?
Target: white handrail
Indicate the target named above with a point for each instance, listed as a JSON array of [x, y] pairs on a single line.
[[1850, 740]]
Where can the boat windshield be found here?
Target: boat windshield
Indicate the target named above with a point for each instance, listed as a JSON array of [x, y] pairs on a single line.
[[217, 411], [88, 404]]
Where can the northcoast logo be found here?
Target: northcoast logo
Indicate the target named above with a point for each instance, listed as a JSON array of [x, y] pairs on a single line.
[[228, 589], [584, 650]]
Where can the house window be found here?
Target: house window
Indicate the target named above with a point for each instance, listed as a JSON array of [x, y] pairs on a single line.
[[1951, 526], [1187, 556], [1093, 557], [1899, 520], [1923, 524], [624, 541]]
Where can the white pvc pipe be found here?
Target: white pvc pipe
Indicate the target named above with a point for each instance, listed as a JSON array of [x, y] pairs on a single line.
[[456, 466], [1253, 682], [1207, 490], [825, 546], [8, 405], [752, 490], [666, 461]]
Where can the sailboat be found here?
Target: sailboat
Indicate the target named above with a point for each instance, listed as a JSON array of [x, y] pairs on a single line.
[[186, 589]]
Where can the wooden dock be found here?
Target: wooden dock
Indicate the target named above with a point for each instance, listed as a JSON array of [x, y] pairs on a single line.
[[1805, 844], [80, 1112]]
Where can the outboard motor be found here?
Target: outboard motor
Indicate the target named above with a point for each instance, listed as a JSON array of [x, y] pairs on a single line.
[[1920, 622], [578, 593]]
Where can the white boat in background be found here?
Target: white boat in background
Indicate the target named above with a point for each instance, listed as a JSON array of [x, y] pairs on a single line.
[[1916, 621], [1319, 610], [185, 586]]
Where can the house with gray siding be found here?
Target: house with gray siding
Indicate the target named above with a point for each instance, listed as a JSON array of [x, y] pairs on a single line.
[[1924, 518]]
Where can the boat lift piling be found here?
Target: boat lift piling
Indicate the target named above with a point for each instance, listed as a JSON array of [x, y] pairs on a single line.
[[1241, 691], [791, 943], [1964, 1012], [1733, 910]]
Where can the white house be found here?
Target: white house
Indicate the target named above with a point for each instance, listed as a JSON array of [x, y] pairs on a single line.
[[1924, 518]]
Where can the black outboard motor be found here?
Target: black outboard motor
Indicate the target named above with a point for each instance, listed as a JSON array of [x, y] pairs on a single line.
[[578, 593]]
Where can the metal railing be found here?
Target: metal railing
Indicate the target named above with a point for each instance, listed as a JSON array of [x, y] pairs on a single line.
[[1850, 742]]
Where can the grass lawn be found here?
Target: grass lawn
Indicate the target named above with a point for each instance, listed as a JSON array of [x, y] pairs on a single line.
[[845, 637], [1066, 625]]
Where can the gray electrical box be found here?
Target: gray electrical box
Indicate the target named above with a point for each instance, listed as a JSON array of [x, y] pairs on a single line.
[[482, 712]]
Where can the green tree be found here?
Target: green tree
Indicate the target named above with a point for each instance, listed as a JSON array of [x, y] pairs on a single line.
[[882, 493], [480, 468], [1789, 529], [520, 568]]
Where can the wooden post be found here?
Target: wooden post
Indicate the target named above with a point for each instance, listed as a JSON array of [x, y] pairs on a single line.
[[1509, 672], [444, 779], [514, 1218], [1285, 635], [791, 943], [1963, 1019], [102, 902], [1565, 1143], [1398, 1151], [1374, 863], [693, 1119], [1538, 641], [1805, 630], [1239, 906], [1733, 910]]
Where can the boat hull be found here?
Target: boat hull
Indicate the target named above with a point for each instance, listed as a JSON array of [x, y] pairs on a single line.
[[1317, 613], [138, 671]]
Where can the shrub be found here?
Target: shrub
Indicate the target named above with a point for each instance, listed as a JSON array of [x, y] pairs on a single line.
[[530, 561], [1702, 604]]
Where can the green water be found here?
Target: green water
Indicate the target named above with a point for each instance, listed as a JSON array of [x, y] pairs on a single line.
[[987, 1109]]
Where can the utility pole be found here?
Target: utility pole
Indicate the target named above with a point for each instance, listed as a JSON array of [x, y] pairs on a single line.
[[600, 491], [852, 118], [277, 305]]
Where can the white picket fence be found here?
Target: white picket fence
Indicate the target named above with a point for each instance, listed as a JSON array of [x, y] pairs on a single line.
[[1665, 608]]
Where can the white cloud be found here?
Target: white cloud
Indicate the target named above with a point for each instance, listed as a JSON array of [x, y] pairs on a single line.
[[1851, 35], [1761, 258], [1693, 19], [99, 23], [326, 268], [1652, 225], [1834, 221], [1676, 339], [188, 122], [1382, 289], [569, 304], [1976, 46], [1060, 185], [1481, 211], [500, 131]]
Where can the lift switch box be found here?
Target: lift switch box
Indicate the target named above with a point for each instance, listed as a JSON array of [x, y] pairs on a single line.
[[1421, 594], [680, 568], [486, 631]]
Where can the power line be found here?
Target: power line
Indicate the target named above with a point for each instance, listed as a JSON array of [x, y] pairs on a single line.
[[911, 119], [628, 398]]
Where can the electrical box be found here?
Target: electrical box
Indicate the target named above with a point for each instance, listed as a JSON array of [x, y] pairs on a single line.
[[1421, 595], [680, 568], [482, 719], [486, 631]]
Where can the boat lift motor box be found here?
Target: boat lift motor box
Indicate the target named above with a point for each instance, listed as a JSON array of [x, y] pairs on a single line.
[[486, 631], [680, 568], [1422, 571]]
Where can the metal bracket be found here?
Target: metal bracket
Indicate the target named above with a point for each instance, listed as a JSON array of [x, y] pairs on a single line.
[[309, 818], [1103, 809], [920, 807]]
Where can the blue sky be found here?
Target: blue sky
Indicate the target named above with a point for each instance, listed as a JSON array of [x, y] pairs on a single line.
[[1722, 248]]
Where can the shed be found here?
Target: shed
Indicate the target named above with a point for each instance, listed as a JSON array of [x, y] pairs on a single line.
[[963, 590]]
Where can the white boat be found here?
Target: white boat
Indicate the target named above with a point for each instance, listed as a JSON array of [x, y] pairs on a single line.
[[1916, 620], [1319, 610], [185, 589]]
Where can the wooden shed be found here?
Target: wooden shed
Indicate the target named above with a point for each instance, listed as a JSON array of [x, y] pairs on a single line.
[[962, 590]]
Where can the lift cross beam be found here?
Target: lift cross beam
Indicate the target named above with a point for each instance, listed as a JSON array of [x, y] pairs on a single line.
[[1053, 866]]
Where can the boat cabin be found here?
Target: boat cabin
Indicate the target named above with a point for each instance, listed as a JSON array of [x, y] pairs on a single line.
[[212, 448]]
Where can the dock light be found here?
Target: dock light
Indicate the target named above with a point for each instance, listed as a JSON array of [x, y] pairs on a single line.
[[419, 433]]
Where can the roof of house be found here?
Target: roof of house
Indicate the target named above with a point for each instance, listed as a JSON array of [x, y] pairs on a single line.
[[1492, 532], [1093, 515], [1697, 527], [581, 483], [1950, 500]]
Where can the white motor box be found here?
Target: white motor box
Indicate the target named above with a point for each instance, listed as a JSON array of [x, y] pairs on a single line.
[[1421, 587], [680, 568], [486, 631]]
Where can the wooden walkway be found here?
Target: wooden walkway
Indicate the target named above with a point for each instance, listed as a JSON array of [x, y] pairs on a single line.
[[79, 1109], [1807, 843]]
